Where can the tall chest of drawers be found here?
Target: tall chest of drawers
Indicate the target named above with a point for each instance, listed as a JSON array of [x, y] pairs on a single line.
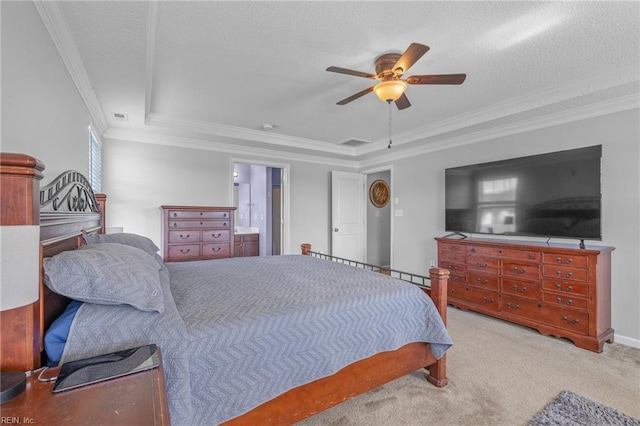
[[196, 233], [556, 289]]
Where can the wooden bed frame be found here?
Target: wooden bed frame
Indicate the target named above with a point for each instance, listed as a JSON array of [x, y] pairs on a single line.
[[65, 210]]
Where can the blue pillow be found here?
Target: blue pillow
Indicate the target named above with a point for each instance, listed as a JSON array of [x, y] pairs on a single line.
[[56, 337]]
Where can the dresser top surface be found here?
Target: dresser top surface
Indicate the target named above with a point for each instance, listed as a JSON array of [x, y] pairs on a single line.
[[524, 244]]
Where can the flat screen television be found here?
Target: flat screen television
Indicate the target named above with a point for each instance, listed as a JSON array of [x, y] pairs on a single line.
[[556, 194]]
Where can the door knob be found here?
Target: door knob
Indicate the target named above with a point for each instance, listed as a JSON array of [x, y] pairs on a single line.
[[335, 229]]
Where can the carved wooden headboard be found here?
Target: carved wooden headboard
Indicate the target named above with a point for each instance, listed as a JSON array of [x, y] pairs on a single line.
[[64, 209]]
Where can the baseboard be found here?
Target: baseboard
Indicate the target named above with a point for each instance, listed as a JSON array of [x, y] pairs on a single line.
[[627, 341]]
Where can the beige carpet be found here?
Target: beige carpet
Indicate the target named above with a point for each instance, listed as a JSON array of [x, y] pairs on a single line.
[[499, 374]]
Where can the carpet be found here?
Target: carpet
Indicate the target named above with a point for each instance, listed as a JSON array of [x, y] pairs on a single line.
[[569, 408]]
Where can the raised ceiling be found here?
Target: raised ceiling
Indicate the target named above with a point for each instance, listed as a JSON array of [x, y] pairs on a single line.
[[212, 74]]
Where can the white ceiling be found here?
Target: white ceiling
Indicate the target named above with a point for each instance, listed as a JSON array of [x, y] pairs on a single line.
[[212, 73]]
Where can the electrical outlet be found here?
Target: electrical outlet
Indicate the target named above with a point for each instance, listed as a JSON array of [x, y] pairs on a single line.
[[432, 263]]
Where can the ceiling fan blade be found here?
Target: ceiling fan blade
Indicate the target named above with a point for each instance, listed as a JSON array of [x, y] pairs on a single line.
[[410, 56], [437, 79], [403, 102], [356, 96], [351, 72]]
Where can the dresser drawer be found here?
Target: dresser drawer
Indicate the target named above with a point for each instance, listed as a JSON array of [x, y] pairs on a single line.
[[216, 251], [184, 251], [188, 214], [563, 300], [490, 282], [568, 319], [184, 236], [453, 248], [501, 253], [486, 299], [454, 268], [522, 307], [526, 271], [566, 272], [528, 289], [216, 235], [564, 259], [451, 256], [491, 266], [569, 287], [199, 224]]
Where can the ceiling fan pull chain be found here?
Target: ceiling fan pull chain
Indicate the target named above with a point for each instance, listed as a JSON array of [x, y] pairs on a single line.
[[389, 102]]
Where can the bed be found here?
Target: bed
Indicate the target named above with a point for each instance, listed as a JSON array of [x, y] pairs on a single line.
[[268, 340]]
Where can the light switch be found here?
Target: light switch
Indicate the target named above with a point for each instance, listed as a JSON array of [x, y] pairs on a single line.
[[399, 212], [397, 200]]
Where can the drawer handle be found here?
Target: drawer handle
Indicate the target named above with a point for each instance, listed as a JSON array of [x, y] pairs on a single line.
[[472, 250], [201, 213], [481, 281], [216, 235], [175, 214], [200, 223], [572, 322], [568, 302], [224, 215], [224, 224], [185, 238], [185, 251], [568, 275], [500, 251], [520, 271], [532, 256], [455, 278], [216, 249], [521, 290], [454, 248], [515, 306], [175, 225], [559, 287], [453, 268], [487, 300], [481, 265]]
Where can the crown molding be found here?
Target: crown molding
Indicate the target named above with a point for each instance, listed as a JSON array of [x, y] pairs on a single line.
[[155, 138], [58, 28], [611, 106], [207, 128]]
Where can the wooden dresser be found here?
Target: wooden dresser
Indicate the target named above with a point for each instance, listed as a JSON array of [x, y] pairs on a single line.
[[196, 233], [557, 289]]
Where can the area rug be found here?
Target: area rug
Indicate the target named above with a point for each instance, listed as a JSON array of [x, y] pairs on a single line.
[[569, 408]]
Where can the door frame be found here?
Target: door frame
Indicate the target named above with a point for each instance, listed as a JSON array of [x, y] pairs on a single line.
[[366, 172], [285, 228]]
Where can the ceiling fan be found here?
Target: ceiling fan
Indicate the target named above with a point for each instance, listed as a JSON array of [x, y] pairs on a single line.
[[389, 70]]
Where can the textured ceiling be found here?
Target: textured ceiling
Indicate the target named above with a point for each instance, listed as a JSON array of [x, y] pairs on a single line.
[[215, 72]]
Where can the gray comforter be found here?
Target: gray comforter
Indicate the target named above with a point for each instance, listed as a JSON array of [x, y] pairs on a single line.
[[238, 332]]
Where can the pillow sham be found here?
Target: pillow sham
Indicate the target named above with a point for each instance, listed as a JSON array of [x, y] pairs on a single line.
[[106, 274], [133, 240]]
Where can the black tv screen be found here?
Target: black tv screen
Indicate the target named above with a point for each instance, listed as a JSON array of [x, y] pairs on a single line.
[[548, 195]]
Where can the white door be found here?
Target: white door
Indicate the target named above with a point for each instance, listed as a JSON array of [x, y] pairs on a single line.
[[347, 215]]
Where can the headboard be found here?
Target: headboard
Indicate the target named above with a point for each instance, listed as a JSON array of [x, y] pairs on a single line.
[[64, 209]]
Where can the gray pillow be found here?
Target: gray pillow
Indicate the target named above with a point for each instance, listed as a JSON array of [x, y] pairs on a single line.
[[133, 240], [106, 274]]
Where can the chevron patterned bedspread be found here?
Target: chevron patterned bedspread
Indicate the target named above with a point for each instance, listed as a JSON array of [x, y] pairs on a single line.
[[238, 332]]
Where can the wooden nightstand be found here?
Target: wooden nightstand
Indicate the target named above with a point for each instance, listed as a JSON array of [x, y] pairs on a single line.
[[136, 399]]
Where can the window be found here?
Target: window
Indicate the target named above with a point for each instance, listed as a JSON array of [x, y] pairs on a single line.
[[95, 162], [497, 205]]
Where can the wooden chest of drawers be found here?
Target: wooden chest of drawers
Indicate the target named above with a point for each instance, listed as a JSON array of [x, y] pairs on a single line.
[[196, 233], [557, 289]]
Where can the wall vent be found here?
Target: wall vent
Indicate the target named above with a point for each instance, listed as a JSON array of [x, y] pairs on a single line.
[[118, 116], [354, 142]]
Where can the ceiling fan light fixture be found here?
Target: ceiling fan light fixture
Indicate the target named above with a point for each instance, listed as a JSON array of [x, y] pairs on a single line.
[[390, 90]]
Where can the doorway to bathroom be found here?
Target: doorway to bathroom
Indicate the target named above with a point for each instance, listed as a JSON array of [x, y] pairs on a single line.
[[261, 201]]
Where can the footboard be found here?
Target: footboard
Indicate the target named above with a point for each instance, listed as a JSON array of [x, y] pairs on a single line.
[[435, 286]]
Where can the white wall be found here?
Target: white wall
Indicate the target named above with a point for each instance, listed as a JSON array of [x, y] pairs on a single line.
[[419, 184], [43, 114]]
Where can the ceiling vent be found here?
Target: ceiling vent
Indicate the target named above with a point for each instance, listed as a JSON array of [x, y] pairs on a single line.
[[354, 142], [118, 116]]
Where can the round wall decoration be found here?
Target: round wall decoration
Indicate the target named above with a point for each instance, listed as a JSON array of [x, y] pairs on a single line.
[[379, 193]]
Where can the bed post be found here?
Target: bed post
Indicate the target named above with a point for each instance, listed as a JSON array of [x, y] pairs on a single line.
[[102, 203], [439, 276], [20, 200], [306, 249]]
